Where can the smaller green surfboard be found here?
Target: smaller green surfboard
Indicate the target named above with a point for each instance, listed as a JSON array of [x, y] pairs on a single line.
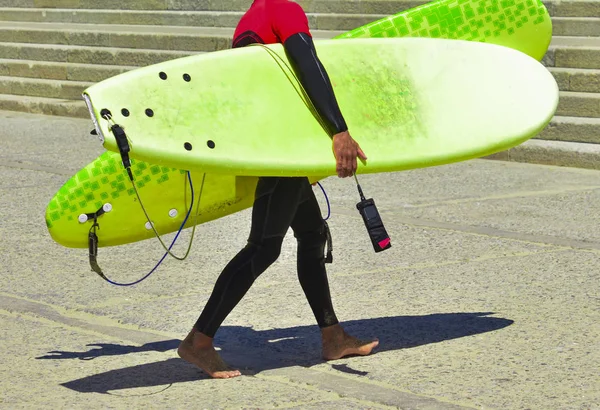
[[165, 193]]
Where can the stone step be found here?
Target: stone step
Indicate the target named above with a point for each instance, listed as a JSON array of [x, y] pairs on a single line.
[[87, 55], [576, 104], [572, 129], [576, 26], [60, 71], [318, 21], [577, 79], [385, 7], [575, 41], [137, 36], [35, 87], [561, 8], [558, 153], [564, 51], [572, 26], [573, 8], [573, 52], [47, 106]]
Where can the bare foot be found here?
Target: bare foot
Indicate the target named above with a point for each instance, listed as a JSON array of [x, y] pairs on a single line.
[[198, 350], [337, 344]]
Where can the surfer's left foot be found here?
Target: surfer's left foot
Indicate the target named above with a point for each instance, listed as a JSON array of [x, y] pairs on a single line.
[[198, 349], [337, 344]]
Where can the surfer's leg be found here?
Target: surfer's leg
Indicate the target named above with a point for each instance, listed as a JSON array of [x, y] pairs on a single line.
[[273, 211], [274, 207], [309, 230]]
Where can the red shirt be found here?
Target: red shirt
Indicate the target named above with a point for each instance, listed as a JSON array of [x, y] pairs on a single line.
[[270, 21]]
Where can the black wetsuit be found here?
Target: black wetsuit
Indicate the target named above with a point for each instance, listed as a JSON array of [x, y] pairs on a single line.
[[282, 202]]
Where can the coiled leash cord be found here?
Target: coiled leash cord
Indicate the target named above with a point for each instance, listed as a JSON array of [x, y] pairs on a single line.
[[124, 148]]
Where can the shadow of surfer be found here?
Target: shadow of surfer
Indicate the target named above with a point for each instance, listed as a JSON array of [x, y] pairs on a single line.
[[275, 349]]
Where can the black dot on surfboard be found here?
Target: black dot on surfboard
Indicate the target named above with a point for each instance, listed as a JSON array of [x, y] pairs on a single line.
[[149, 113], [125, 112], [211, 144], [187, 77], [105, 112], [188, 146], [162, 75]]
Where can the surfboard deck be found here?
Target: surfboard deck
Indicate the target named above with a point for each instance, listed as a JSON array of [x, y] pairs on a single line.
[[165, 190], [409, 103]]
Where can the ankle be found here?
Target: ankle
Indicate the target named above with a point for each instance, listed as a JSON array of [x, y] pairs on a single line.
[[332, 332], [199, 340]]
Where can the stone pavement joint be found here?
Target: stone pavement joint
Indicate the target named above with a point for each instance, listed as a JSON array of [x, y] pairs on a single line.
[[366, 391]]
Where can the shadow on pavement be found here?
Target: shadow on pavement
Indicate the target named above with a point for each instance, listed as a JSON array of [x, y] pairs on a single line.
[[257, 351]]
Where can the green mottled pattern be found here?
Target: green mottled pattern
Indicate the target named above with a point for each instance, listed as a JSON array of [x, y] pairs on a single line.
[[492, 21], [102, 181]]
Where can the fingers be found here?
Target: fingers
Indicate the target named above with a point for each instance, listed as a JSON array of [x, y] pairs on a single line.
[[361, 154], [343, 167], [348, 166]]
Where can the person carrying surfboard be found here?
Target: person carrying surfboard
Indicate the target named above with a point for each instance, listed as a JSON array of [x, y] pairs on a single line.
[[283, 202]]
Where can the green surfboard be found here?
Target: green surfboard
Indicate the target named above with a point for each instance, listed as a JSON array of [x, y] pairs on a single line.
[[409, 103], [164, 190]]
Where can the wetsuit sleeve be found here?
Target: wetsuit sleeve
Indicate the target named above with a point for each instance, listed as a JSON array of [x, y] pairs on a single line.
[[302, 54]]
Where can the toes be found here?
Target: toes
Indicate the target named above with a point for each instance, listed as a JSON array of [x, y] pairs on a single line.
[[227, 375]]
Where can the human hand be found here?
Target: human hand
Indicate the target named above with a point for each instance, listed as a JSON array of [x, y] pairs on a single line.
[[346, 150]]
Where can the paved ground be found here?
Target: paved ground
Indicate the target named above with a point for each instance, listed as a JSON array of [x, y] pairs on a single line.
[[489, 298]]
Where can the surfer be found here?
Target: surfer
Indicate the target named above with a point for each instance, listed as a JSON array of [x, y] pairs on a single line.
[[283, 202]]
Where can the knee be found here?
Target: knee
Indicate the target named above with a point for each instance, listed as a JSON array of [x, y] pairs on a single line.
[[312, 241], [267, 253]]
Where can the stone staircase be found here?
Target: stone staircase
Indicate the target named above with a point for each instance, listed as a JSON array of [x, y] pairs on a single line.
[[51, 50]]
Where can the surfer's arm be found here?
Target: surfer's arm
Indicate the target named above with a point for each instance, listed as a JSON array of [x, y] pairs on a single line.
[[290, 25], [311, 73], [302, 54]]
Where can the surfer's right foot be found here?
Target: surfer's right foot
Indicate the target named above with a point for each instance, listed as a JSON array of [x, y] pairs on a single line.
[[198, 350]]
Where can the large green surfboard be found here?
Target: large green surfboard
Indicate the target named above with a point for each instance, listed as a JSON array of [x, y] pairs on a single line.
[[165, 191], [409, 102]]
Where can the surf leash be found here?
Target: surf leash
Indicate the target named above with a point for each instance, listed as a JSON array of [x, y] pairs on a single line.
[[93, 247], [327, 200], [124, 148]]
